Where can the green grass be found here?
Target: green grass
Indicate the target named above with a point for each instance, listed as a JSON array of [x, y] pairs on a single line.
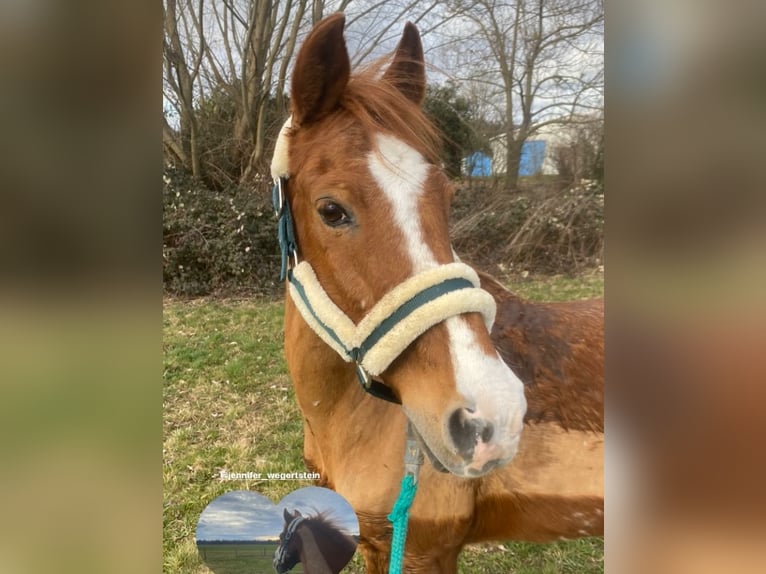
[[229, 404], [557, 287], [241, 558], [571, 557]]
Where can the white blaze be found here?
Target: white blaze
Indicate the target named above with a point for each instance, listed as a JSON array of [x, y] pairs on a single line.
[[401, 172]]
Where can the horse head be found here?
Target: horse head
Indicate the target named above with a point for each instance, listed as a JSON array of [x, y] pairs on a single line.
[[370, 205], [287, 555]]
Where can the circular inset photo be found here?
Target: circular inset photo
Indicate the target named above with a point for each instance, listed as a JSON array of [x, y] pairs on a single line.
[[310, 530]]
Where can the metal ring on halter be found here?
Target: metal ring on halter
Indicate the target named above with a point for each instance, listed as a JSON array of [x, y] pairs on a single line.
[[364, 376], [413, 456]]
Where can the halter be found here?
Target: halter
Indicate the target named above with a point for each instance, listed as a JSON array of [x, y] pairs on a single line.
[[402, 315], [281, 553]]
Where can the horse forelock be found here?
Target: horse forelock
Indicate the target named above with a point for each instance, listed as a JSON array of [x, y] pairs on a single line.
[[380, 107], [552, 489], [373, 106]]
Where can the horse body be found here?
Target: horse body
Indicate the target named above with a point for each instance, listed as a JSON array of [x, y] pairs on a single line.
[[371, 210], [552, 490]]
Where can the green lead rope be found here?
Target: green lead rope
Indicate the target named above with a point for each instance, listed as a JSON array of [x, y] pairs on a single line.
[[400, 513], [399, 517]]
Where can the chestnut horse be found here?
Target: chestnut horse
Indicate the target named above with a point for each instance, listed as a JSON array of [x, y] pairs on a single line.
[[510, 458]]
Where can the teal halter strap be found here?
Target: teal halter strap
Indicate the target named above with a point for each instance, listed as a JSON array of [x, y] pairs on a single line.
[[407, 308], [288, 245]]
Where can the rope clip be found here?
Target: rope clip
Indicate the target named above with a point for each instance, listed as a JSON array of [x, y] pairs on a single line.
[[413, 456]]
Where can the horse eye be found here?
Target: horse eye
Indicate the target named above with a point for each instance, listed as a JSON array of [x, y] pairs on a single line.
[[333, 214]]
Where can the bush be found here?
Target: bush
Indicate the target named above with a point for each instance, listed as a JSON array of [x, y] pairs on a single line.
[[217, 242], [552, 231]]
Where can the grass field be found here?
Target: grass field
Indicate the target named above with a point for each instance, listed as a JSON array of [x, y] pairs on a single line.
[[241, 558], [228, 405]]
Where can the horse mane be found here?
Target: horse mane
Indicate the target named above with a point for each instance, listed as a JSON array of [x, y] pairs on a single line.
[[380, 106], [326, 519], [330, 528]]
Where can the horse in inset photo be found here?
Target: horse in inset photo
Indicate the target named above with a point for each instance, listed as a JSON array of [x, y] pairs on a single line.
[[316, 542]]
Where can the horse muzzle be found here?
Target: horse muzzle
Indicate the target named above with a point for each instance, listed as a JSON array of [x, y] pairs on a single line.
[[470, 443]]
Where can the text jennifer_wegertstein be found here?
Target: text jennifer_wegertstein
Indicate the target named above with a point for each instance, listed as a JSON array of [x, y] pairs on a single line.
[[226, 475]]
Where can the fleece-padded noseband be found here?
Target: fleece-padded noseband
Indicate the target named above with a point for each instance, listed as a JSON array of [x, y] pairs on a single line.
[[402, 315]]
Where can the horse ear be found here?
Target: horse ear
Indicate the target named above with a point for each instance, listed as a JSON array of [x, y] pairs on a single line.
[[286, 515], [407, 70], [321, 71], [297, 513]]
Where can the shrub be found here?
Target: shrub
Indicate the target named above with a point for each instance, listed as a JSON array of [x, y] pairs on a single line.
[[217, 242], [552, 231], [224, 242]]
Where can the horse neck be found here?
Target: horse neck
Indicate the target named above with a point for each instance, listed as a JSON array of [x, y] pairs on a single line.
[[338, 547], [311, 555]]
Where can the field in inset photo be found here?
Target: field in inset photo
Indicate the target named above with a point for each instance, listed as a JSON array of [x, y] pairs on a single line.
[[239, 558]]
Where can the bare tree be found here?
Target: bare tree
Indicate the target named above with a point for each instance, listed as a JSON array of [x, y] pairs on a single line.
[[241, 51], [181, 70], [238, 47], [540, 62], [580, 153]]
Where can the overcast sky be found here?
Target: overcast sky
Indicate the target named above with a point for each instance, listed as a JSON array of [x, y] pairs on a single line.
[[247, 515]]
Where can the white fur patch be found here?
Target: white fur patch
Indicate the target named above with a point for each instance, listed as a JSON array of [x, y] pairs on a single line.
[[498, 394], [401, 171]]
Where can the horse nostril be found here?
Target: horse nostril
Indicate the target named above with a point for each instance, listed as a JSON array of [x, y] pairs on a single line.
[[466, 431], [462, 432], [487, 431]]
